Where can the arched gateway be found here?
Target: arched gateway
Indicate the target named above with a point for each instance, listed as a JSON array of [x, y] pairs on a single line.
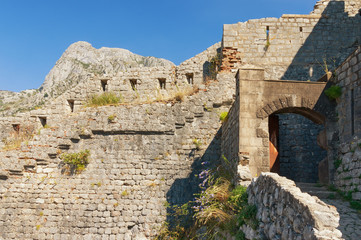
[[250, 134]]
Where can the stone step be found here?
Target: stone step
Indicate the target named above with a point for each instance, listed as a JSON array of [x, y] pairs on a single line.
[[315, 190]]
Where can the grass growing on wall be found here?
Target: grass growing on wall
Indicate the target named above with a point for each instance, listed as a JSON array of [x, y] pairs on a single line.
[[103, 99], [223, 116], [16, 138]]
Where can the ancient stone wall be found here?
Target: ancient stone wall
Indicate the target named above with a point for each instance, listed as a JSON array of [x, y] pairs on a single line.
[[294, 47], [142, 156], [351, 6], [261, 98], [199, 66], [349, 104], [348, 169], [284, 212], [347, 164], [133, 85], [299, 152]]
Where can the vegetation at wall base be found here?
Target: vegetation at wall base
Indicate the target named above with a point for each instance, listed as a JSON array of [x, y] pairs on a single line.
[[220, 208], [346, 196]]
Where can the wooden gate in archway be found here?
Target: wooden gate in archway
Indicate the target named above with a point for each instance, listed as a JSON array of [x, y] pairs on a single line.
[[273, 125]]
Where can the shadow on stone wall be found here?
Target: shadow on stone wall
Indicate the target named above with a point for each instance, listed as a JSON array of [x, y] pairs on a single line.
[[333, 38], [211, 67], [183, 189]]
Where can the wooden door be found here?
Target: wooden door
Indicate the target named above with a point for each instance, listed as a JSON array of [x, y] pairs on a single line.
[[273, 125]]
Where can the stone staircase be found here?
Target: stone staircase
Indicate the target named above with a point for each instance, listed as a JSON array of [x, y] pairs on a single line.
[[315, 190]]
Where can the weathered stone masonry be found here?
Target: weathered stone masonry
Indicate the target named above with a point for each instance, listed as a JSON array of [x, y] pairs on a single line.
[[146, 155], [348, 160], [287, 213]]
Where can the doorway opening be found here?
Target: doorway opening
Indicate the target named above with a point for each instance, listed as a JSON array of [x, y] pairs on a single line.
[[294, 152]]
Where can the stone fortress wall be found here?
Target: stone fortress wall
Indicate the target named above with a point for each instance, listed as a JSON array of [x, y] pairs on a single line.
[[296, 47], [293, 47], [348, 162], [148, 153], [150, 84]]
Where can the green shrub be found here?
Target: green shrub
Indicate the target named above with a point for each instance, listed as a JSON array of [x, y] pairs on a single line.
[[103, 99], [333, 92], [356, 205], [247, 215], [111, 118], [75, 162], [197, 143], [219, 208], [223, 116], [337, 163]]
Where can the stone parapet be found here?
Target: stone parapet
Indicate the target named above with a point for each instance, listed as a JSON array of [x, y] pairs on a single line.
[[284, 212]]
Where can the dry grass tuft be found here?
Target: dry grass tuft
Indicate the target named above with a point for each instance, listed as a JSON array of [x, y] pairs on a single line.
[[180, 95], [16, 138], [212, 214], [107, 98]]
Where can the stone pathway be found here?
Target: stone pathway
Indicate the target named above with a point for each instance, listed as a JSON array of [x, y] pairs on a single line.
[[350, 219]]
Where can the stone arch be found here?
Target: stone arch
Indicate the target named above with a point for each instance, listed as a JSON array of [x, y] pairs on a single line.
[[289, 105], [268, 115]]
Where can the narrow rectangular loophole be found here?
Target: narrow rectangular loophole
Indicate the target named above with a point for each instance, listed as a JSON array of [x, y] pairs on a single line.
[[104, 85], [133, 83], [71, 105], [16, 127], [267, 33], [43, 121], [162, 82], [301, 29], [189, 78], [352, 112]]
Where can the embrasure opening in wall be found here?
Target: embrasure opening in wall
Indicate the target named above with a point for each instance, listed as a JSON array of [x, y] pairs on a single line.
[[133, 83], [16, 127], [162, 82], [104, 84], [71, 105], [301, 29], [43, 121], [189, 77]]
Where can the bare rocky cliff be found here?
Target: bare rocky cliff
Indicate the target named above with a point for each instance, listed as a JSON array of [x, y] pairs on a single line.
[[78, 62]]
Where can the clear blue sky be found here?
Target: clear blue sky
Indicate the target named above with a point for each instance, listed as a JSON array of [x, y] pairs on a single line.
[[35, 33]]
